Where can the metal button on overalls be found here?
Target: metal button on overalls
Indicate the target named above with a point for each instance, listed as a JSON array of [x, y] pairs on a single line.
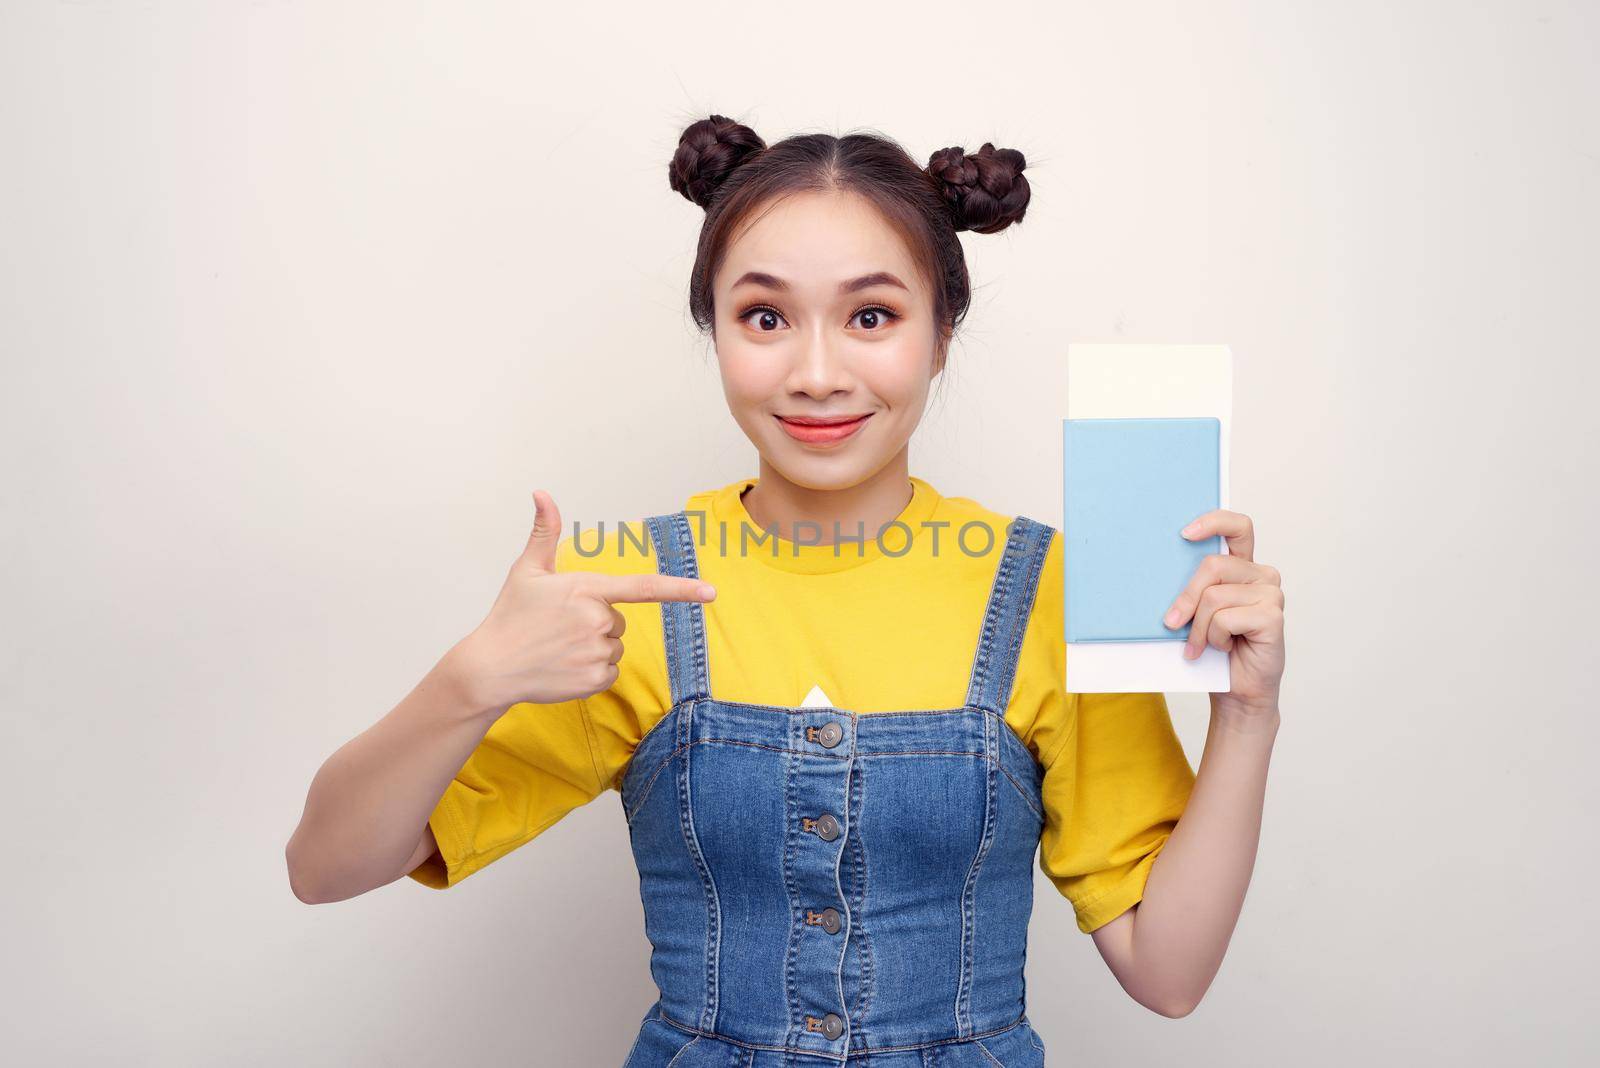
[[824, 826], [827, 735], [907, 836], [827, 919]]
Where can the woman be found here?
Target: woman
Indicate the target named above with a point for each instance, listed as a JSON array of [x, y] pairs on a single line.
[[848, 875]]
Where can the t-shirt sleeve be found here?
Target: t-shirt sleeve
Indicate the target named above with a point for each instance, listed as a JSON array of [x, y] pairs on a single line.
[[1113, 791], [536, 763]]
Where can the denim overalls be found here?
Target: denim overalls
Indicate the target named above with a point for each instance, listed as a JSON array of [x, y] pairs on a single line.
[[823, 888]]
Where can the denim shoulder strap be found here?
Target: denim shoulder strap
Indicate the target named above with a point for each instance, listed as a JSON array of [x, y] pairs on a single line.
[[683, 625], [994, 667]]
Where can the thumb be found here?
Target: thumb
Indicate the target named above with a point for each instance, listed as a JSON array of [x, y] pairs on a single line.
[[541, 550]]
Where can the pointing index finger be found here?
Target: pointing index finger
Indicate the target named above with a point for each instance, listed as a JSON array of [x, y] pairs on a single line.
[[635, 589]]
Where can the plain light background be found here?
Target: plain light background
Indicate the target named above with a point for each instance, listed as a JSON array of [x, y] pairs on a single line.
[[302, 300]]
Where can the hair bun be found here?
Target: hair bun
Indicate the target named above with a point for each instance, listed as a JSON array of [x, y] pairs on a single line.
[[708, 151], [985, 191]]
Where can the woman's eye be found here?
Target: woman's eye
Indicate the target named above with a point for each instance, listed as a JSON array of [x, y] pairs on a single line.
[[765, 321], [875, 317]]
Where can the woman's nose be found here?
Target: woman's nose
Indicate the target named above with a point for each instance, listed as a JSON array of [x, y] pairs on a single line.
[[820, 368]]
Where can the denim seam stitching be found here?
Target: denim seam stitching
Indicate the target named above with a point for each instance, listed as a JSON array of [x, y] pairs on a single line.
[[667, 564], [1024, 595], [985, 1049], [713, 906], [1011, 603], [659, 727], [963, 1006], [991, 617], [741, 1043], [631, 811], [791, 807], [697, 619], [868, 964], [1021, 587], [682, 1051], [807, 709], [838, 860]]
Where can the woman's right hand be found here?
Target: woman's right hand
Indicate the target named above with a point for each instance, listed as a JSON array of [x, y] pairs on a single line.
[[553, 636]]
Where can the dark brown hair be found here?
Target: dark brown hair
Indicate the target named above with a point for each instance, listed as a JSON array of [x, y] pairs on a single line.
[[727, 169]]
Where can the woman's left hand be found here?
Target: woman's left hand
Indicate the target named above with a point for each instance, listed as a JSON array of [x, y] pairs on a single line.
[[1237, 606]]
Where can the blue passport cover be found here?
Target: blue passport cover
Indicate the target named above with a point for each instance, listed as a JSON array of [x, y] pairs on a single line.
[[1131, 485]]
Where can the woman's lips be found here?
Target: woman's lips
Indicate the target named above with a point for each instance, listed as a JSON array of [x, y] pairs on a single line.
[[823, 433]]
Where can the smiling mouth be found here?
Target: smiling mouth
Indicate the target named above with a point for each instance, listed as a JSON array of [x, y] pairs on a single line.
[[822, 430]]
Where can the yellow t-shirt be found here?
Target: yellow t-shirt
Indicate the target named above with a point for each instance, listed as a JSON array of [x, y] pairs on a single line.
[[878, 629]]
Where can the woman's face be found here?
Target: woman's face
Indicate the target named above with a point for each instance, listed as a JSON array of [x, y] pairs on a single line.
[[821, 315]]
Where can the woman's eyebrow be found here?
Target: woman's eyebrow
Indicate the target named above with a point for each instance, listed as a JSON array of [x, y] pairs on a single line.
[[877, 278]]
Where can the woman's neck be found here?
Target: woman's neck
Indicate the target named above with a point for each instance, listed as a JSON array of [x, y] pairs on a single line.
[[862, 510]]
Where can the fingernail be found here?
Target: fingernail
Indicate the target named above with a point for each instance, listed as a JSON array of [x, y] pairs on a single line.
[[1172, 616], [708, 592], [1190, 529]]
